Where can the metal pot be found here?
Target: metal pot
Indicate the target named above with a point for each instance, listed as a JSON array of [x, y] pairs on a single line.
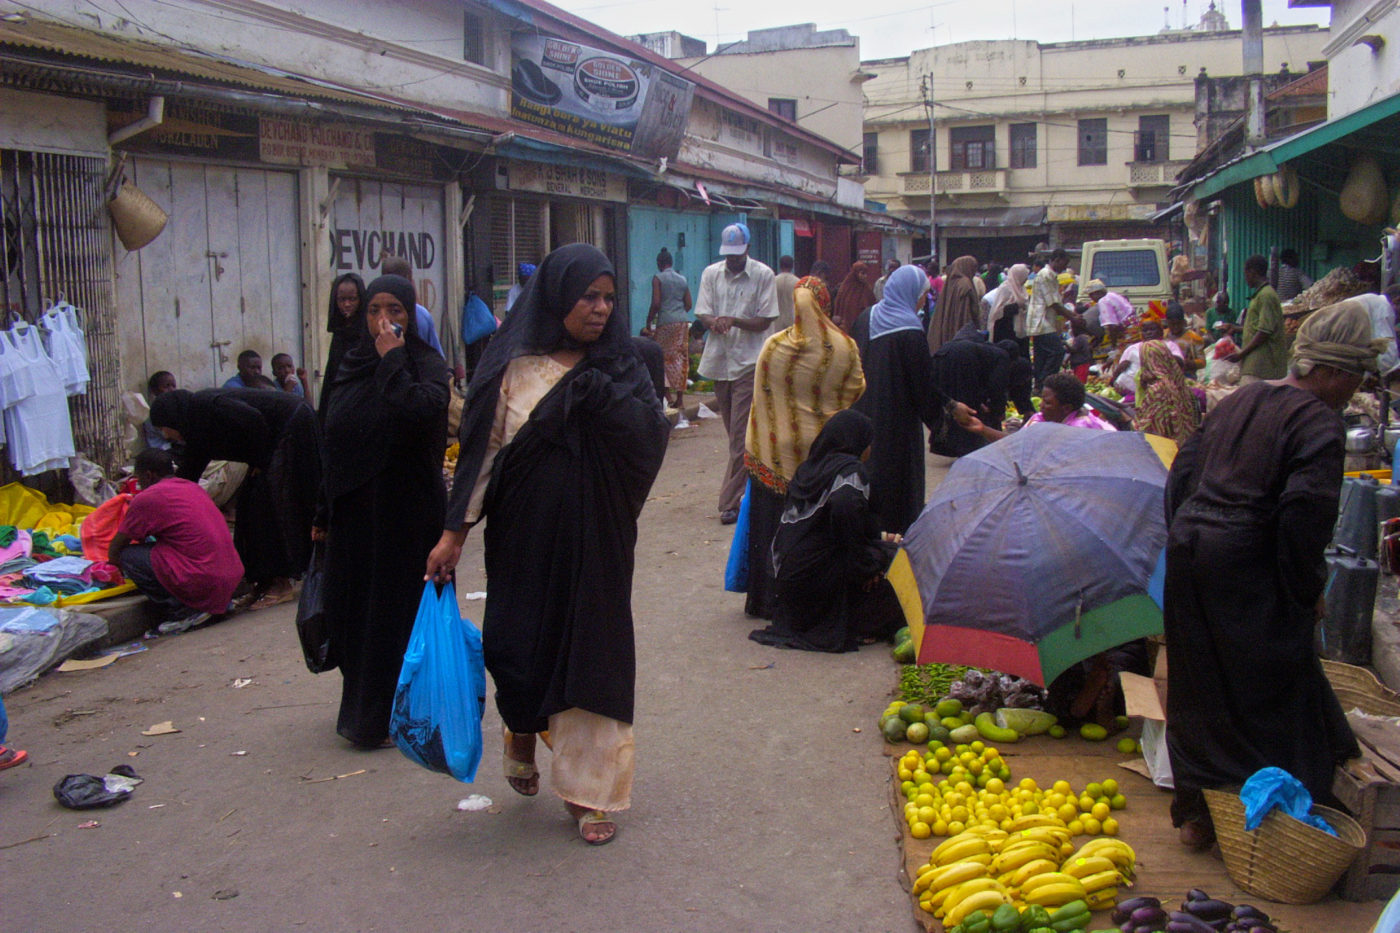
[[1360, 439]]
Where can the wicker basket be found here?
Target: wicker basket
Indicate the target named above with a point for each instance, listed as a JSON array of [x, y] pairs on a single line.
[[1284, 860], [138, 219], [1358, 688]]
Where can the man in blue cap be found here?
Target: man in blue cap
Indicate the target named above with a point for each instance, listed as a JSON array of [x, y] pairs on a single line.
[[522, 275], [738, 303]]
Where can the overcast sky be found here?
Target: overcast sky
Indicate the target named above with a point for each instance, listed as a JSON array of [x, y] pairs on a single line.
[[890, 28]]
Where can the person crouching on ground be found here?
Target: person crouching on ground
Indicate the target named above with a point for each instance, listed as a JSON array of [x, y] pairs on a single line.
[[174, 544]]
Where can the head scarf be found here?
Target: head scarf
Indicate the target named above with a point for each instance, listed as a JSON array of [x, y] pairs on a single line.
[[958, 304], [1010, 292], [835, 452], [363, 357], [897, 309], [1339, 336], [335, 321], [1165, 406], [171, 409], [805, 374], [534, 327], [853, 297]]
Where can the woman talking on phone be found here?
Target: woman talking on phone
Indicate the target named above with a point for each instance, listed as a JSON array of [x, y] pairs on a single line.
[[562, 437], [385, 432]]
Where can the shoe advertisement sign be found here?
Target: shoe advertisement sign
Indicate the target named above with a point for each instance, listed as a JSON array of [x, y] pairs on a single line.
[[607, 99]]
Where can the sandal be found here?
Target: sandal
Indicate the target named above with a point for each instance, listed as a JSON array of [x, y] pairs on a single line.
[[12, 757], [593, 819], [522, 776], [268, 600]]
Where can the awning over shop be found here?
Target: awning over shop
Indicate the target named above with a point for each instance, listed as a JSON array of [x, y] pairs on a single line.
[[1012, 221], [1270, 158]]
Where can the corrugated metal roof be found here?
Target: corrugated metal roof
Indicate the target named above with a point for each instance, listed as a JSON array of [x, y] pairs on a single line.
[[164, 61]]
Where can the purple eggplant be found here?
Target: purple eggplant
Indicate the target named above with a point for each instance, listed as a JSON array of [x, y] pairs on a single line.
[[1124, 909], [1182, 922], [1209, 910], [1148, 914], [1262, 928], [1196, 894], [1249, 912]]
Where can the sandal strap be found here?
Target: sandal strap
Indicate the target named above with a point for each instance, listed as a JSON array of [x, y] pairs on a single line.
[[520, 769]]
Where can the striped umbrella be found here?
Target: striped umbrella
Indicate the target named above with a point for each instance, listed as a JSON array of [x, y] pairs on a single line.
[[1036, 552]]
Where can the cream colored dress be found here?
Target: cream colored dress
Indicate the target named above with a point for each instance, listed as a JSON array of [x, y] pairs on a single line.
[[593, 761]]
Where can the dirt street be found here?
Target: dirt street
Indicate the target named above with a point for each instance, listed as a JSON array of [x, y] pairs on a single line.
[[758, 805]]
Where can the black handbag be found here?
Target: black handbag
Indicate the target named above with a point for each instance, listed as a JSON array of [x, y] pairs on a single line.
[[313, 627]]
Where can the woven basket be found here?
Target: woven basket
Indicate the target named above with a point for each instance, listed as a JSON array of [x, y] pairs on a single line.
[[1358, 688], [138, 219], [1284, 860]]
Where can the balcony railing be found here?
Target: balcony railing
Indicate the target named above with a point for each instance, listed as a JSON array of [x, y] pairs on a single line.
[[1150, 174], [974, 181]]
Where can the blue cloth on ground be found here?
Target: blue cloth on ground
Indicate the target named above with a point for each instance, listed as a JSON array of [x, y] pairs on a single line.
[[1268, 788]]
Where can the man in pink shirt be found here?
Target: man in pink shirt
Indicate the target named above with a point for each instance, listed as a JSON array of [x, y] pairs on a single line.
[[1116, 313], [190, 569]]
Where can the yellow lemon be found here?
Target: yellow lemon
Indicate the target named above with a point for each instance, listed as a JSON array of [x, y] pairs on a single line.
[[1086, 803], [1094, 790], [943, 754], [1092, 826], [1110, 827], [920, 830], [1100, 811], [928, 815], [924, 800], [1110, 787], [996, 786], [1027, 784], [977, 747], [1118, 801], [1075, 827], [904, 773], [1067, 811], [1061, 787]]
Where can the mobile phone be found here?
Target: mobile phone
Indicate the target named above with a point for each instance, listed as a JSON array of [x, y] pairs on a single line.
[[398, 331]]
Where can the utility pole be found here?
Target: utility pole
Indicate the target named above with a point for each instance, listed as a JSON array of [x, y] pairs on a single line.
[[926, 89]]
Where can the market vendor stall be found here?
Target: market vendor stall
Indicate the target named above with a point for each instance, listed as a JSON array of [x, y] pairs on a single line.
[[41, 554]]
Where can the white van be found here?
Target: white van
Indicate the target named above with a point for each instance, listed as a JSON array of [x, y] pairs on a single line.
[[1135, 269]]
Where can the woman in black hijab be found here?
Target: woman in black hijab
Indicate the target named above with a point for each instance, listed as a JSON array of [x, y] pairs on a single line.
[[829, 555], [386, 429], [561, 439], [345, 323], [275, 434]]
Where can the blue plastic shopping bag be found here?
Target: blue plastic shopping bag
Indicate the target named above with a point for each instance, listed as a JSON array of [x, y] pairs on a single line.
[[442, 689], [736, 572]]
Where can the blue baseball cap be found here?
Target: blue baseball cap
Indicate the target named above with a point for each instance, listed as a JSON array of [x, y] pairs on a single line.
[[734, 241]]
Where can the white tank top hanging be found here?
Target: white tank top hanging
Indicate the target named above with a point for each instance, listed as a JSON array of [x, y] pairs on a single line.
[[66, 347], [38, 426]]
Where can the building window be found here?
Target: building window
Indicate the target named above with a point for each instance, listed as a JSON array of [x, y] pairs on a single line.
[[473, 40], [972, 148], [784, 107], [1093, 141], [1023, 145], [920, 152], [870, 153], [1150, 143]]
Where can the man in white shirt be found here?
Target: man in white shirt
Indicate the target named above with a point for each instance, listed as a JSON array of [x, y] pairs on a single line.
[[738, 303], [1116, 313], [1043, 317]]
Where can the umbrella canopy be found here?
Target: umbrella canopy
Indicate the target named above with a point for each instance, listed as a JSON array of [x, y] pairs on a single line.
[[1035, 552]]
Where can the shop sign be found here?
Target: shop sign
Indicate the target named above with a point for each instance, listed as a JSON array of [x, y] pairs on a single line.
[[190, 129], [1070, 213], [295, 142], [568, 181], [868, 243], [610, 100]]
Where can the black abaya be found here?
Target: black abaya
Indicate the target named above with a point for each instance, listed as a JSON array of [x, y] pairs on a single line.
[[900, 398], [276, 434], [1254, 491], [974, 372], [765, 510], [386, 429]]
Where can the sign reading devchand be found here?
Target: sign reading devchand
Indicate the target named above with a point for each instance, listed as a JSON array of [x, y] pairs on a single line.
[[600, 97]]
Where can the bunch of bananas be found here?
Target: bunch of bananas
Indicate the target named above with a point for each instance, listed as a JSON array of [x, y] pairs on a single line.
[[1031, 862]]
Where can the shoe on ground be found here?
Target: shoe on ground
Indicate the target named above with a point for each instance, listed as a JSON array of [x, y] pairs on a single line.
[[728, 516], [681, 422], [12, 757], [176, 626]]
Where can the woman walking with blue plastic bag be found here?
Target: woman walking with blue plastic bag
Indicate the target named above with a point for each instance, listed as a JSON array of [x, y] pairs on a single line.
[[561, 440], [386, 430]]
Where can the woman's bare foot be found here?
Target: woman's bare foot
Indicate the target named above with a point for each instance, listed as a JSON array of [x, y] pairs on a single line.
[[594, 826], [521, 773]]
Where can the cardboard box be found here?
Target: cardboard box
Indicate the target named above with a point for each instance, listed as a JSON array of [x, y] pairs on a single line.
[[1147, 697]]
